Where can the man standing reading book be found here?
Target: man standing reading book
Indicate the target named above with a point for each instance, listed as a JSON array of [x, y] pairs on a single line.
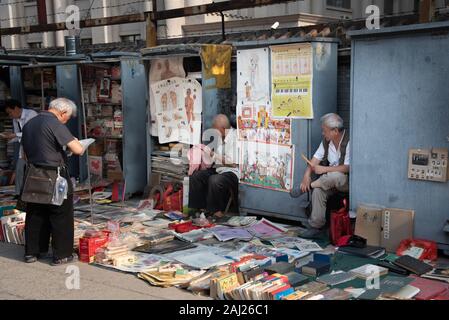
[[43, 140], [331, 161]]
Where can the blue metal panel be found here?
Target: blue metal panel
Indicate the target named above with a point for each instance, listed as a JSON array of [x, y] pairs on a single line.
[[400, 101], [306, 136], [134, 90], [68, 86], [210, 101]]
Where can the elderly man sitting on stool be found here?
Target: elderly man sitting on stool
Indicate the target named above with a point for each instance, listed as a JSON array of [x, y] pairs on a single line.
[[331, 162], [210, 189]]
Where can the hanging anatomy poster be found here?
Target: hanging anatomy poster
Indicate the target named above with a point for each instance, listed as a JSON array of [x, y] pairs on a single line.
[[291, 80], [267, 165], [254, 113], [178, 104], [162, 69]]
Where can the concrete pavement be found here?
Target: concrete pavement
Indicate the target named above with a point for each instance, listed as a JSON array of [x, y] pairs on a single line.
[[39, 280]]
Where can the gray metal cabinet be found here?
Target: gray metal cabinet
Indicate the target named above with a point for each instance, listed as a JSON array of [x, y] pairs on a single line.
[[400, 100]]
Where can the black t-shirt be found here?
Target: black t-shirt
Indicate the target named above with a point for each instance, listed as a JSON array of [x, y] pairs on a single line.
[[43, 138]]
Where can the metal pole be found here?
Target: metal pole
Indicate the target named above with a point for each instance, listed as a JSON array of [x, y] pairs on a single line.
[[42, 90], [223, 33], [87, 150]]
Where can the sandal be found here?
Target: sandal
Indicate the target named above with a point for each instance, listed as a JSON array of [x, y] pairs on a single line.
[[31, 258], [58, 262]]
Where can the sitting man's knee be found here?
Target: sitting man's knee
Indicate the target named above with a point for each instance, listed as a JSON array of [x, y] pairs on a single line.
[[216, 180]]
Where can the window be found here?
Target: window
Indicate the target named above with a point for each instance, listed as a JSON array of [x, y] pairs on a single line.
[[35, 44], [86, 42], [345, 4], [130, 38]]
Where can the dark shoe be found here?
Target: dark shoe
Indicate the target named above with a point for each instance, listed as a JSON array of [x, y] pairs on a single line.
[[311, 233], [31, 258], [59, 262]]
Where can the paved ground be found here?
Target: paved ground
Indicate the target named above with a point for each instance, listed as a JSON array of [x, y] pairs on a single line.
[[39, 280]]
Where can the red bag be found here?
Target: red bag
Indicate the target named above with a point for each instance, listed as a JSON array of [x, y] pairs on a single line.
[[430, 248], [172, 201], [168, 199], [340, 224]]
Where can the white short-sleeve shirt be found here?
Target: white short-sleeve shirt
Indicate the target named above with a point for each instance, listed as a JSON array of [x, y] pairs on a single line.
[[333, 154]]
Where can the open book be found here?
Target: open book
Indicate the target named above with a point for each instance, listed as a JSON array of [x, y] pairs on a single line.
[[85, 143]]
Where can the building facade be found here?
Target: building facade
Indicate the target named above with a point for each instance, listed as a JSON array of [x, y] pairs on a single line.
[[15, 13]]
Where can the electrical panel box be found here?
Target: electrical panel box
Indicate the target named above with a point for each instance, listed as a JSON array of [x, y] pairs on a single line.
[[429, 165]]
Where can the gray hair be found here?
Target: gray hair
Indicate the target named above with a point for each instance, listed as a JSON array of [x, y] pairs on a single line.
[[222, 120], [332, 121], [63, 105]]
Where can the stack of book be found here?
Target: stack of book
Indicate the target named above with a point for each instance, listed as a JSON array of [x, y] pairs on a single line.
[[170, 166], [13, 228], [440, 272], [262, 287]]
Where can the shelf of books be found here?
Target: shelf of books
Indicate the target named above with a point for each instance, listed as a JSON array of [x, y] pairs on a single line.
[[104, 119], [6, 149], [40, 87]]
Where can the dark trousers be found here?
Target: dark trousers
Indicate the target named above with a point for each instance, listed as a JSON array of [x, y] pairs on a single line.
[[43, 220], [211, 191]]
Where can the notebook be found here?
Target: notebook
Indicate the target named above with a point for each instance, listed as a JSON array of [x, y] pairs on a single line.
[[413, 265]]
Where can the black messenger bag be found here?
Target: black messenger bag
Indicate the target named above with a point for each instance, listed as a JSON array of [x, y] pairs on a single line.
[[39, 185]]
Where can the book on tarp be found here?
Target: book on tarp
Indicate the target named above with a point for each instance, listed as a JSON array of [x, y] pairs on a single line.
[[280, 267], [336, 278], [296, 279], [368, 271], [313, 288], [315, 268], [166, 247], [366, 252], [406, 293], [413, 265], [429, 289], [335, 294]]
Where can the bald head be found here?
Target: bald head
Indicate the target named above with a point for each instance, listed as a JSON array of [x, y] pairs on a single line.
[[221, 123]]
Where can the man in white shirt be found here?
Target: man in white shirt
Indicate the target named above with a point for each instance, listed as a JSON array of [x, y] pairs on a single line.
[[211, 189], [331, 161], [20, 117]]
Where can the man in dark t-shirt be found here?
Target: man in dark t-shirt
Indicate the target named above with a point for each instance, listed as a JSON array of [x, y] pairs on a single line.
[[43, 139]]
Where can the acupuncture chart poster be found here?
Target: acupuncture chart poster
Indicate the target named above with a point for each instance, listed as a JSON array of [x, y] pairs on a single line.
[[291, 81], [162, 69], [178, 105], [255, 121]]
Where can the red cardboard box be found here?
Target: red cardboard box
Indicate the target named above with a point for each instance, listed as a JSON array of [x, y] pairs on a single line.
[[88, 247]]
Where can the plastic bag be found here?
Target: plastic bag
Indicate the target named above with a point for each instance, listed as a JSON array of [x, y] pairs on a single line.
[[340, 224], [424, 249], [61, 189]]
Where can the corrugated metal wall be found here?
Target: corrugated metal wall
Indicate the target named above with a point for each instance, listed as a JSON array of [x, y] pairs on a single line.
[[344, 89]]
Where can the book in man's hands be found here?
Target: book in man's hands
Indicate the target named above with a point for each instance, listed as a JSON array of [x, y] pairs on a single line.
[[85, 143]]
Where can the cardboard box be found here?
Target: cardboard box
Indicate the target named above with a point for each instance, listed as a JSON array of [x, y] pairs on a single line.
[[397, 225], [114, 175], [369, 224], [88, 247]]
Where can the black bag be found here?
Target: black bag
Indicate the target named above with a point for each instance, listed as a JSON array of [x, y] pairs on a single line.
[[39, 185]]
